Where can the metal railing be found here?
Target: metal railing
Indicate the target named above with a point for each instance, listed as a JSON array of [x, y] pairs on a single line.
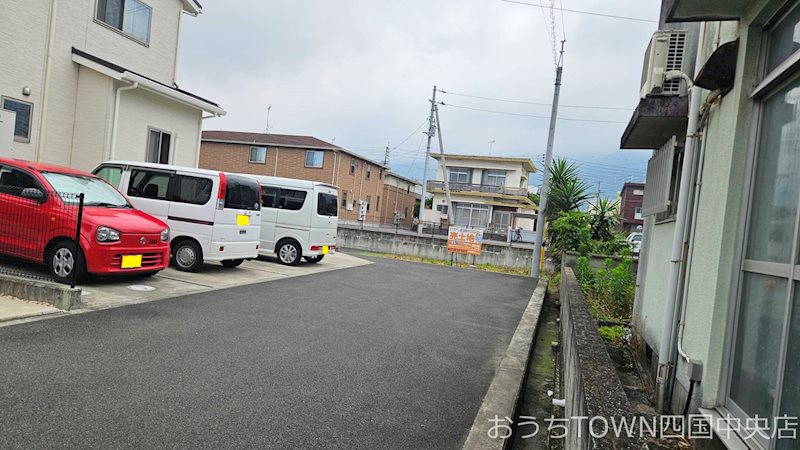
[[485, 188], [29, 221]]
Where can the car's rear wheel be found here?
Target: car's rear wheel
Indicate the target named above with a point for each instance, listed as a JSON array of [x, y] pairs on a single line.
[[232, 262], [289, 253], [187, 256], [314, 259], [66, 263]]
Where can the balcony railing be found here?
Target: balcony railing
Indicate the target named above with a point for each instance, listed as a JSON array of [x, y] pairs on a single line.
[[487, 188]]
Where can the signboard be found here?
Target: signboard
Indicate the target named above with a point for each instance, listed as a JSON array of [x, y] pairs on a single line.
[[467, 241]]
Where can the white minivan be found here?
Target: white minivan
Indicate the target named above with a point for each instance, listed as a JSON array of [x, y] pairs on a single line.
[[212, 216], [298, 219]]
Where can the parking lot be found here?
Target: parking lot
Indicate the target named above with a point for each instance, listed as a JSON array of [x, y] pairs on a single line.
[[109, 292], [388, 355]]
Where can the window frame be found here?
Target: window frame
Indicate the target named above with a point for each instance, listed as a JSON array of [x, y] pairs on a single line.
[[161, 133], [250, 156], [172, 186], [494, 173], [121, 31], [166, 173], [321, 159], [27, 139], [768, 84], [458, 172], [352, 166]]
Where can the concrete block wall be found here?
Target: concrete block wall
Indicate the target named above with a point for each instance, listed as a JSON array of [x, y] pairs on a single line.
[[591, 385], [410, 244]]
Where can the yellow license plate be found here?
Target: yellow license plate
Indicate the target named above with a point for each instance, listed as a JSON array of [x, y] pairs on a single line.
[[131, 261], [325, 249], [242, 220]]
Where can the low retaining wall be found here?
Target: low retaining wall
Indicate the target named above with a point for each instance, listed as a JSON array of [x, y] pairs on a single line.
[[598, 262], [58, 295], [427, 246], [591, 385]]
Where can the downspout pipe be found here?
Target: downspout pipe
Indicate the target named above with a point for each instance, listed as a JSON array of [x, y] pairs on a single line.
[[115, 124], [676, 256], [48, 71]]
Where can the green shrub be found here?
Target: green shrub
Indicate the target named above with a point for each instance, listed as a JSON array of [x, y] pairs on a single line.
[[613, 333], [570, 232], [610, 290]]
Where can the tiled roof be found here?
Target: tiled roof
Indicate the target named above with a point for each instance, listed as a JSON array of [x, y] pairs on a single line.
[[279, 140]]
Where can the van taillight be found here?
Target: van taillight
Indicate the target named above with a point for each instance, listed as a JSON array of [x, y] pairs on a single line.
[[223, 187]]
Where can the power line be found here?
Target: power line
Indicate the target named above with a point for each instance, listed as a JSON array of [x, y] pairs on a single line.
[[526, 115], [611, 16], [532, 103]]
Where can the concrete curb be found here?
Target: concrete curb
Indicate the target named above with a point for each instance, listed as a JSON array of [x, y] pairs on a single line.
[[504, 392], [58, 295]]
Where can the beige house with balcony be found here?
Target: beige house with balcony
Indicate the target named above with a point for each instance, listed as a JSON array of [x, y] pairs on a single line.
[[488, 192], [91, 80]]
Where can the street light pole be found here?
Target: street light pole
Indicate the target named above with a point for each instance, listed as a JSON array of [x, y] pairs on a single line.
[[548, 161]]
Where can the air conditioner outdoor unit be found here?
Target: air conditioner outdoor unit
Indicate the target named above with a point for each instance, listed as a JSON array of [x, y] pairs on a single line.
[[666, 52]]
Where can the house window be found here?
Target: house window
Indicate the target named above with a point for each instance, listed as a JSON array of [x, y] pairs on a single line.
[[764, 367], [494, 177], [369, 199], [369, 171], [131, 17], [258, 155], [352, 166], [344, 200], [314, 158], [158, 146], [637, 214], [378, 203], [460, 175], [441, 208], [471, 215], [22, 126]]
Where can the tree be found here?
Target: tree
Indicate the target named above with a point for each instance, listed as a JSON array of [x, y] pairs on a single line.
[[535, 198], [567, 191], [603, 218]]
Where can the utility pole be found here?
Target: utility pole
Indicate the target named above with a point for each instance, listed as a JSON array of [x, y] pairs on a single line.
[[386, 155], [548, 161], [431, 132], [446, 176], [269, 109]]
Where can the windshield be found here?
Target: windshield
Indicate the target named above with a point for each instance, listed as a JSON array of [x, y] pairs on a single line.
[[96, 191]]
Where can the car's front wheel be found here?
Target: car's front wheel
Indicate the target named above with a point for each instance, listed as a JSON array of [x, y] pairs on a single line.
[[187, 256], [289, 253], [66, 263]]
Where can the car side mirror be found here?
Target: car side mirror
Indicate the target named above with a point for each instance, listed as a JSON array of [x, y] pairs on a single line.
[[33, 194]]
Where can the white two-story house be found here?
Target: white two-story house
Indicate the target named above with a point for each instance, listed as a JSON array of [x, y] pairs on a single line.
[[487, 192], [91, 80]]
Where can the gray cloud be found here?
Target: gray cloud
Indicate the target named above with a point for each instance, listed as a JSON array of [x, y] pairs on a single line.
[[361, 71]]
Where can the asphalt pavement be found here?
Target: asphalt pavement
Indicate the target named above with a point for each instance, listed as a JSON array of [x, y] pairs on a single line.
[[388, 355]]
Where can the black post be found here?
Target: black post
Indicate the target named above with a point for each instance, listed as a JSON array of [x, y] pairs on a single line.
[[77, 239]]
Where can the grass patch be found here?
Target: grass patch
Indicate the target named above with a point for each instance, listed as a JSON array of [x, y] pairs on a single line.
[[613, 334], [520, 271]]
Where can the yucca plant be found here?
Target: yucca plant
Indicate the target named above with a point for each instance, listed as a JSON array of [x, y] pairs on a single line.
[[567, 191], [604, 218]]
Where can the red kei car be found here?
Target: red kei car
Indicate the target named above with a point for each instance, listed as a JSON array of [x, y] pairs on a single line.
[[39, 216]]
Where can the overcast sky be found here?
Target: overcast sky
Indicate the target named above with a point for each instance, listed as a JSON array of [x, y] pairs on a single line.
[[359, 72]]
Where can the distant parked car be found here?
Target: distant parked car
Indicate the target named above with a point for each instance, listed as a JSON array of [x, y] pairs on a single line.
[[634, 240], [299, 219], [38, 221], [213, 216]]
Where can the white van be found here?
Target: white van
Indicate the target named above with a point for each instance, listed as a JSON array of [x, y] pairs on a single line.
[[298, 219], [212, 216]]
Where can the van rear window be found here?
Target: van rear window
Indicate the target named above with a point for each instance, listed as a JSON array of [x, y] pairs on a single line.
[[242, 193], [327, 205]]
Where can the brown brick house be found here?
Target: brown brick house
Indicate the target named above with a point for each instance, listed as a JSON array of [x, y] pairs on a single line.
[[630, 207], [309, 158]]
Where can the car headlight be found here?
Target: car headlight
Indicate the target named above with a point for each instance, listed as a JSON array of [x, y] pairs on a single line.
[[106, 234], [165, 235]]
